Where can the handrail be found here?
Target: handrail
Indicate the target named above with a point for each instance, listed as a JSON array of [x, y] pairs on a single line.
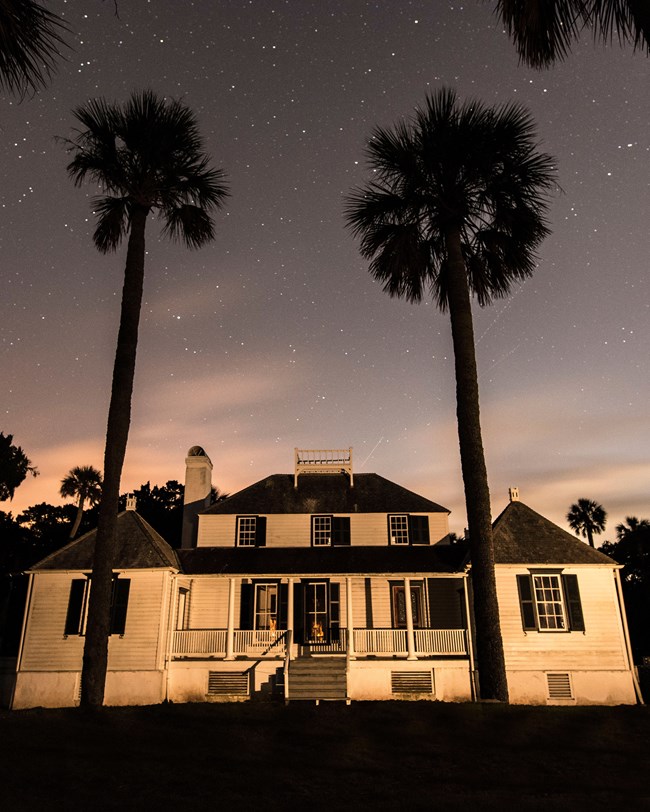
[[287, 658]]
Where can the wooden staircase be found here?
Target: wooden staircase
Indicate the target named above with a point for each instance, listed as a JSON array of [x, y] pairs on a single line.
[[317, 678]]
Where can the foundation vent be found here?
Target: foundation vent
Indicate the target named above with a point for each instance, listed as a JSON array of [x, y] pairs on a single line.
[[559, 686], [411, 682], [227, 683]]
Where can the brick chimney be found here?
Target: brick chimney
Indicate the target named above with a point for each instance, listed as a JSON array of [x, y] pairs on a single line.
[[198, 485]]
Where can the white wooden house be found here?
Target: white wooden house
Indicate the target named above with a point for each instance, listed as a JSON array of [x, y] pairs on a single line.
[[326, 584]]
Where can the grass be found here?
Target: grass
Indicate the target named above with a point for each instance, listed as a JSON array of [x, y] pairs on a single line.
[[380, 756]]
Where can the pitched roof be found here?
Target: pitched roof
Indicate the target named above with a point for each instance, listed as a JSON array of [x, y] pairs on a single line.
[[442, 558], [139, 546], [522, 536], [325, 493]]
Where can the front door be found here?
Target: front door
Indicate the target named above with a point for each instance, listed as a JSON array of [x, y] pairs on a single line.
[[316, 612]]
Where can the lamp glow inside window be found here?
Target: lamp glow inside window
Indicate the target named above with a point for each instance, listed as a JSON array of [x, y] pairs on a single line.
[[322, 531], [548, 599], [247, 531], [399, 530]]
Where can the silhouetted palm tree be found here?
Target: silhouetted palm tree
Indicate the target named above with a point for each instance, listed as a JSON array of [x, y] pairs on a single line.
[[544, 30], [30, 44], [587, 517], [631, 525], [147, 156], [456, 207], [85, 484]]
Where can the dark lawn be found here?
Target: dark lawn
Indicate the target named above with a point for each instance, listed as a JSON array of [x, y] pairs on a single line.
[[384, 755]]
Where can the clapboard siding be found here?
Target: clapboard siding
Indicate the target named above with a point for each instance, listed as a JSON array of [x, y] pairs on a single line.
[[601, 645], [294, 530], [209, 602], [46, 648]]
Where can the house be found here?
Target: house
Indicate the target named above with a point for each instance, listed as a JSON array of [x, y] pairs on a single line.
[[325, 584]]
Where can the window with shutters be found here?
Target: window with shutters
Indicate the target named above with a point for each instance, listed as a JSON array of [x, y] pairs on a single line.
[[251, 531], [550, 602], [77, 614], [330, 531], [266, 606], [407, 528]]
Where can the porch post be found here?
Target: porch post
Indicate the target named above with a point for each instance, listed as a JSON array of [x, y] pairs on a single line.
[[290, 613], [410, 637], [230, 634], [350, 618]]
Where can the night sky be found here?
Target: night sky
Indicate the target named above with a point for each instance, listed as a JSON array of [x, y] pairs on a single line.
[[275, 335]]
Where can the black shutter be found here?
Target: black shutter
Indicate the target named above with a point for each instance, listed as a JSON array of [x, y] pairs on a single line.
[[299, 611], [283, 605], [574, 605], [260, 531], [340, 531], [246, 606], [419, 529], [335, 612], [120, 602], [526, 602], [75, 606]]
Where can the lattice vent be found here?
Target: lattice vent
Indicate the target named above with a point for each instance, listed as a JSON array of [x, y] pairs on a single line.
[[411, 682], [559, 686], [231, 683]]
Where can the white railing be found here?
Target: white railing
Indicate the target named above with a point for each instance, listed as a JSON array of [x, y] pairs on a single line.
[[380, 641], [200, 641], [259, 642], [334, 646], [393, 641], [440, 641]]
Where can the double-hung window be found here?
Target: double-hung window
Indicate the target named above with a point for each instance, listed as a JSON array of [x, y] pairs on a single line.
[[550, 602], [75, 620], [406, 528], [330, 531], [251, 531]]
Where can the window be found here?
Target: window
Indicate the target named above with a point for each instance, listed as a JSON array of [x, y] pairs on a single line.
[[405, 528], [182, 614], [76, 616], [251, 531], [266, 606], [331, 531], [550, 602]]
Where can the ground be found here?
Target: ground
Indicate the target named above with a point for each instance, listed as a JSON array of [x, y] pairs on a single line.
[[380, 756]]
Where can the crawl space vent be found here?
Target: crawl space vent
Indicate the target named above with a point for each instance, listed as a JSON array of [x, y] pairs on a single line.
[[227, 683], [411, 682], [559, 686]]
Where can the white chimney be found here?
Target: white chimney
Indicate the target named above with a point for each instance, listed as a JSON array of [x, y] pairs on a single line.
[[130, 501], [514, 494], [198, 486]]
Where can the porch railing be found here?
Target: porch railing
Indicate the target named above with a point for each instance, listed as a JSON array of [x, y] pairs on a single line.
[[266, 643]]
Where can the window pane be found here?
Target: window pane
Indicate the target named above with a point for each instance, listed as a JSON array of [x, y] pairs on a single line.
[[399, 530], [322, 530], [247, 529], [548, 597]]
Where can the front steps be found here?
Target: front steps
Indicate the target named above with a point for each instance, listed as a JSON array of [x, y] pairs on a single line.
[[317, 678]]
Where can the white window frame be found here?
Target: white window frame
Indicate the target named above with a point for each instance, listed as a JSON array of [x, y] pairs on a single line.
[[321, 531], [548, 594], [272, 622], [246, 531], [182, 610], [399, 528]]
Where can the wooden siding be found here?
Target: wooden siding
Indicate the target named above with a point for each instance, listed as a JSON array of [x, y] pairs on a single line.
[[209, 602], [46, 648], [294, 530], [601, 646]]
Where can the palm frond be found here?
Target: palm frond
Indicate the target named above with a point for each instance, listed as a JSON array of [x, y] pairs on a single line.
[[189, 224], [31, 43], [112, 222]]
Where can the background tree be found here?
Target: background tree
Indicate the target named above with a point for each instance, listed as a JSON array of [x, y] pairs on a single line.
[[85, 484], [456, 207], [544, 30], [31, 40], [587, 517], [14, 467], [147, 156]]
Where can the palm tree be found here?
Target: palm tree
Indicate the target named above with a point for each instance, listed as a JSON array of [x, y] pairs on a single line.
[[456, 208], [85, 483], [30, 44], [544, 30], [587, 517], [630, 526], [147, 156]]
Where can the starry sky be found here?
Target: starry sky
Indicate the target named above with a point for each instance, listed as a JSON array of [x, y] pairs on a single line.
[[275, 335]]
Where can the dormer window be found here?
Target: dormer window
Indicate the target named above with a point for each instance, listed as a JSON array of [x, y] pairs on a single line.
[[399, 529], [405, 528], [330, 531], [251, 531]]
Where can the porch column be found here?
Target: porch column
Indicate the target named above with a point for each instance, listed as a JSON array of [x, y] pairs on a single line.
[[290, 612], [350, 618], [230, 634], [410, 637]]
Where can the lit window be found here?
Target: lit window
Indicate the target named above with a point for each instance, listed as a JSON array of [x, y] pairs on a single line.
[[266, 606]]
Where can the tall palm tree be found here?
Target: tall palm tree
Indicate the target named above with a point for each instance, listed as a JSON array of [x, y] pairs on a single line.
[[147, 156], [456, 207], [630, 526], [31, 40], [544, 30], [586, 517], [85, 484]]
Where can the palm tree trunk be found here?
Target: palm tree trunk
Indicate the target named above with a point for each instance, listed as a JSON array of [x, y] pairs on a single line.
[[77, 521], [491, 661], [95, 658]]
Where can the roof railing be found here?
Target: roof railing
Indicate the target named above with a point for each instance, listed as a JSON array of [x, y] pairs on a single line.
[[323, 461]]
